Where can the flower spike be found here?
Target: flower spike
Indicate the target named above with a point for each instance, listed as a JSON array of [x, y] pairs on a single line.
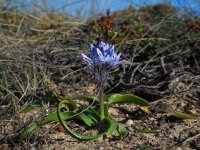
[[103, 54]]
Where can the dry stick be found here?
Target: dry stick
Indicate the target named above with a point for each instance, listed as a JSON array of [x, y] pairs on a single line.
[[40, 10], [26, 89], [16, 79], [123, 40], [196, 62], [10, 25], [134, 71], [7, 90], [142, 39], [15, 98], [73, 72], [147, 38], [17, 33], [175, 53], [5, 41], [157, 26], [48, 41], [20, 25], [161, 51], [44, 49], [22, 14], [191, 138], [62, 46], [120, 81], [163, 64]]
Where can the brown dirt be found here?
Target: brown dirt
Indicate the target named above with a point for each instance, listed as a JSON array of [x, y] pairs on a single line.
[[162, 66]]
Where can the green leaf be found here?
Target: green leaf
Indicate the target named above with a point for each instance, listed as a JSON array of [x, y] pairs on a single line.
[[111, 126], [122, 132], [139, 29], [127, 98], [146, 146], [166, 108], [84, 97], [53, 98], [31, 106], [93, 114], [71, 104], [185, 116], [50, 118], [50, 98], [53, 117], [143, 130], [86, 119], [106, 113]]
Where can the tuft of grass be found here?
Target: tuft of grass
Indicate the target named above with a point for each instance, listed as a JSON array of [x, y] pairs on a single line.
[[41, 48]]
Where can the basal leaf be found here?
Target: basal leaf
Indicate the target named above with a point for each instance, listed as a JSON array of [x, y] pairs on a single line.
[[166, 108], [85, 97], [112, 124], [122, 132], [50, 98], [93, 114], [185, 116], [144, 130], [109, 122], [127, 98]]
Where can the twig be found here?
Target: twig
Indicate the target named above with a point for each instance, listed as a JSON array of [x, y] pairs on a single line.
[[134, 71], [73, 72], [163, 64], [191, 138]]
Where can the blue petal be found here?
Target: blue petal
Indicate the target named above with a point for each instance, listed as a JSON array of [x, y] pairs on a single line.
[[93, 50], [118, 56], [91, 46], [111, 50], [98, 77], [87, 59], [99, 54], [101, 44], [115, 61]]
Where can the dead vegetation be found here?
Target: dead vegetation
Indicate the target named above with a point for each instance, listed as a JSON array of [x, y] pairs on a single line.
[[162, 64]]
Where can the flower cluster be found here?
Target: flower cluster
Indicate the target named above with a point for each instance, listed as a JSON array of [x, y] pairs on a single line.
[[102, 55], [102, 60]]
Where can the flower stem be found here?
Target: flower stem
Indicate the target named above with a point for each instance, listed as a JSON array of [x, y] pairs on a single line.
[[101, 97]]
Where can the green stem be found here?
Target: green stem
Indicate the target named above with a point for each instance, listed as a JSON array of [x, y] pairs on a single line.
[[102, 101]]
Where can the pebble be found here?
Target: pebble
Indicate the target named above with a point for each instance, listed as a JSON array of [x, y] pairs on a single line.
[[129, 122], [113, 111], [4, 147]]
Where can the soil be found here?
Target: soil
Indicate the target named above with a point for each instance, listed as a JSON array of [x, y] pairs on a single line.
[[170, 77]]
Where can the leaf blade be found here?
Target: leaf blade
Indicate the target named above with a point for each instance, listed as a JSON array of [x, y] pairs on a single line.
[[127, 98]]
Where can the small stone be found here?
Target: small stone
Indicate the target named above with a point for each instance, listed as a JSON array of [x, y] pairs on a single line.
[[129, 122], [151, 119], [113, 111], [101, 148], [60, 129], [4, 147], [178, 148]]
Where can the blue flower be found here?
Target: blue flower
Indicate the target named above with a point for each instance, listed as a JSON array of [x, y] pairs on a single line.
[[102, 60], [102, 55]]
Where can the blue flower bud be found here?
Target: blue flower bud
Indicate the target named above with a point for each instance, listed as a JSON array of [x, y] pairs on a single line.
[[103, 58], [103, 54]]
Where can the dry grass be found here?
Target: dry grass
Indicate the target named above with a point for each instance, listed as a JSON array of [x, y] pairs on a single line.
[[41, 52]]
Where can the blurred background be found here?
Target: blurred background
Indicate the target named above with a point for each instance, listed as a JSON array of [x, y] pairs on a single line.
[[83, 9], [41, 42]]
